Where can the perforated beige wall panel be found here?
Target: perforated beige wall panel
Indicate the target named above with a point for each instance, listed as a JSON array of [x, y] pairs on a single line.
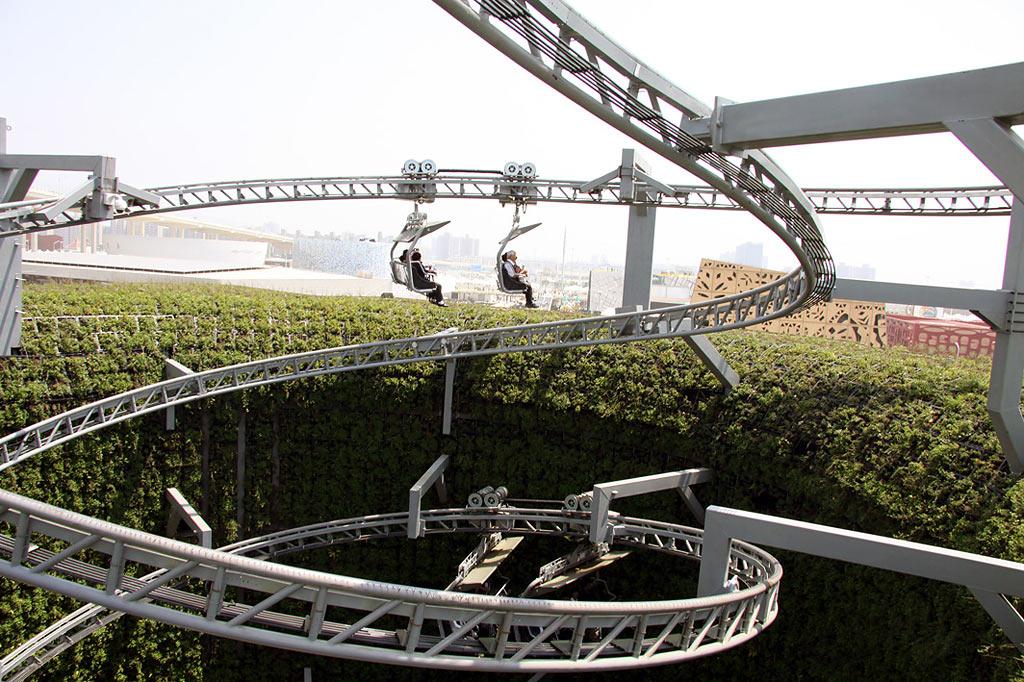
[[849, 320]]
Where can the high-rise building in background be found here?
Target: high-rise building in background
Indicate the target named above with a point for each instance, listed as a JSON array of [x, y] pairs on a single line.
[[344, 256], [855, 271], [447, 246], [750, 253], [605, 290]]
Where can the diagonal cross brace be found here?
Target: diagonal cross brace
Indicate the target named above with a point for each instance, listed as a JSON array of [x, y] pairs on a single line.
[[181, 510]]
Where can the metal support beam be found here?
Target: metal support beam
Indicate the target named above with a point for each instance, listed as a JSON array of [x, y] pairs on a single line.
[[1008, 357], [14, 184], [636, 281], [173, 370], [909, 107], [240, 471], [182, 510], [716, 364], [98, 165], [13, 187], [692, 503], [449, 389], [604, 493], [433, 476], [990, 305], [981, 573], [1002, 151], [996, 146], [10, 295], [1004, 397], [1003, 613]]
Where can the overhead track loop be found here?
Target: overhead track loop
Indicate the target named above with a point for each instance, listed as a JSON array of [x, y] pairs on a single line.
[[539, 36]]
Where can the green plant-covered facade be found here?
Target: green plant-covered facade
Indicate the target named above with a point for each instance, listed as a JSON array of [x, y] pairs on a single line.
[[874, 440]]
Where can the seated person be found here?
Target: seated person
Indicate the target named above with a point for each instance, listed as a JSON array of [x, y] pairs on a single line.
[[514, 277], [422, 279]]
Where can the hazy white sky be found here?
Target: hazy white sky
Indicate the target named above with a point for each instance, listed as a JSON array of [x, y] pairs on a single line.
[[195, 91]]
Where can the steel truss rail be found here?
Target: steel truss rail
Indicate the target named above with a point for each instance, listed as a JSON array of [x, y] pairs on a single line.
[[486, 633], [26, 216], [557, 45], [553, 42], [739, 310]]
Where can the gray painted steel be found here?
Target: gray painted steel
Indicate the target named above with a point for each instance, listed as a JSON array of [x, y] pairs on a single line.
[[993, 305], [667, 631], [636, 280], [988, 578], [909, 107], [1008, 359], [10, 295], [449, 394], [173, 370], [601, 530], [635, 186], [433, 476], [32, 216], [1002, 151], [182, 510], [606, 80], [705, 350]]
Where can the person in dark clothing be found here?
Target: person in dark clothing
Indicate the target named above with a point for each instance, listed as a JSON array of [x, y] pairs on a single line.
[[514, 277], [422, 279]]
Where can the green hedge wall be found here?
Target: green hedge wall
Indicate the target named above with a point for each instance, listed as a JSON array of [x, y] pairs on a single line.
[[872, 440]]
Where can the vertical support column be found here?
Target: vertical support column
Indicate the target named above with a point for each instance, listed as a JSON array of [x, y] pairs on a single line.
[[1008, 357], [275, 468], [1002, 152], [636, 281], [204, 428], [13, 187], [449, 389], [240, 471], [10, 294], [173, 370]]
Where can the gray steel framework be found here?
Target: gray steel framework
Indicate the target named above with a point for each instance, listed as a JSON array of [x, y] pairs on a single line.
[[557, 45], [990, 580], [633, 634], [740, 310], [28, 216]]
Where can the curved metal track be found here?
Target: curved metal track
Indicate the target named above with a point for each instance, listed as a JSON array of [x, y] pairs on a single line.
[[607, 81], [555, 43], [28, 216], [739, 310], [481, 630]]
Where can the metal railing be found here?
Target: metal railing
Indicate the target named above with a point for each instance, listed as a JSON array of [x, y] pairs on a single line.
[[752, 307], [92, 560], [962, 201]]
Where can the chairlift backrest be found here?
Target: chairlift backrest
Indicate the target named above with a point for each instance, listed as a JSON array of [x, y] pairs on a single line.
[[398, 273], [415, 229], [504, 283]]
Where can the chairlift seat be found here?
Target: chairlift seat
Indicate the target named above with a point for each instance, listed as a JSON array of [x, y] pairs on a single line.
[[505, 283]]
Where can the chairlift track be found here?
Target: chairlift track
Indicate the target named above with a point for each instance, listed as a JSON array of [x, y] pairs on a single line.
[[189, 586]]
